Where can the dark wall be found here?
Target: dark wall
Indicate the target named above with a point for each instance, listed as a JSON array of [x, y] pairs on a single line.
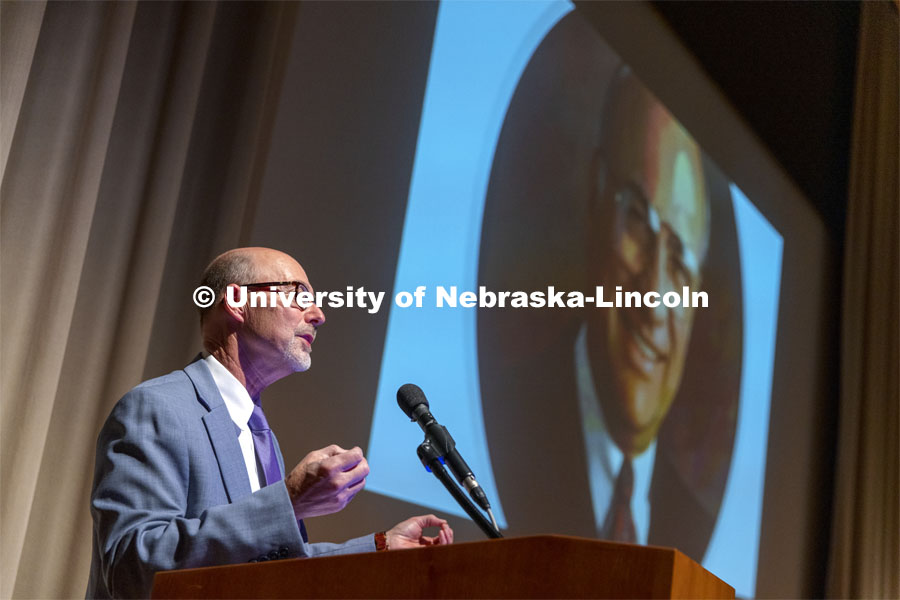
[[788, 67]]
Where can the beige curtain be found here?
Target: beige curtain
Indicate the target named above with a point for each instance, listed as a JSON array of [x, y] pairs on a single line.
[[119, 121], [865, 541]]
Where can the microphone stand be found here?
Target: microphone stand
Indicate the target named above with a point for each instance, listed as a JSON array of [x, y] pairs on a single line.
[[433, 463]]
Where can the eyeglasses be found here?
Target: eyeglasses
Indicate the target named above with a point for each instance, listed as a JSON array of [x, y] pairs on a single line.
[[298, 286], [640, 233]]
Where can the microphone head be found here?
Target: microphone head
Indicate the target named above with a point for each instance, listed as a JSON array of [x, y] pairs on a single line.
[[409, 396]]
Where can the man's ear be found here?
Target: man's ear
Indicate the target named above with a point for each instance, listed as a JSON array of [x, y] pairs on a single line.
[[238, 311]]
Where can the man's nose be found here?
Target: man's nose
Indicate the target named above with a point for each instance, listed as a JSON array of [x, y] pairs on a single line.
[[314, 315], [655, 278]]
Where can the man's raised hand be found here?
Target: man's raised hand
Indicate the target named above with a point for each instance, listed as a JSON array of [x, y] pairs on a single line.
[[326, 480]]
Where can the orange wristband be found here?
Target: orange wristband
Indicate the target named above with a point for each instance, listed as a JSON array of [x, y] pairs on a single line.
[[381, 543]]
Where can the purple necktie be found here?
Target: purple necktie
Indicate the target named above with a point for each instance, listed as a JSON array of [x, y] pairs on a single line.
[[264, 442], [619, 524]]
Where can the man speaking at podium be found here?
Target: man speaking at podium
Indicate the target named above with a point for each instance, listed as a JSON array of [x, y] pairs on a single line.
[[189, 474]]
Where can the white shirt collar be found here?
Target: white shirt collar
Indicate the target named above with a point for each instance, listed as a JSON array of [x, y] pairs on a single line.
[[237, 399], [603, 456]]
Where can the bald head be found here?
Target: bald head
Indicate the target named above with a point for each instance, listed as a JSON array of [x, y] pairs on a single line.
[[241, 266], [234, 266], [646, 146]]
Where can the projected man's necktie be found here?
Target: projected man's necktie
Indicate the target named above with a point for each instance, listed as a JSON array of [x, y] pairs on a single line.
[[619, 524]]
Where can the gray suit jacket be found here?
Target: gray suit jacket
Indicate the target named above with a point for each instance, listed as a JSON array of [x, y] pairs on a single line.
[[171, 491]]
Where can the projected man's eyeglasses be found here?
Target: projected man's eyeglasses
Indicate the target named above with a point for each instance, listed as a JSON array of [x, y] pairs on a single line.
[[641, 236]]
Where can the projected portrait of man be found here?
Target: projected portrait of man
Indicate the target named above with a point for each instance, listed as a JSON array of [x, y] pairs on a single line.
[[649, 231], [616, 423]]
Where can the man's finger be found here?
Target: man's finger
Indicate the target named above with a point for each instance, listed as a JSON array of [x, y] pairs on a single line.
[[447, 532], [346, 460], [332, 450], [430, 521], [355, 485], [357, 472]]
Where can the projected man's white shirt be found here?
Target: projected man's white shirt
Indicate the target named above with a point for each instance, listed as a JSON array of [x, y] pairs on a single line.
[[604, 458]]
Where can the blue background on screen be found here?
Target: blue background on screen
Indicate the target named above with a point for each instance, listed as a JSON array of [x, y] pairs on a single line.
[[733, 550], [480, 50]]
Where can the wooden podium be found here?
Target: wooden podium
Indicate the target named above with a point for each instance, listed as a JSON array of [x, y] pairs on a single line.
[[548, 566]]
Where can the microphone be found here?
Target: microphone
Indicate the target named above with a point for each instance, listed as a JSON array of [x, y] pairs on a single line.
[[411, 400]]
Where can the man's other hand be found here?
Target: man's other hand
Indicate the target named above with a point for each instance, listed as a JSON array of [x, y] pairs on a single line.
[[409, 533], [326, 480]]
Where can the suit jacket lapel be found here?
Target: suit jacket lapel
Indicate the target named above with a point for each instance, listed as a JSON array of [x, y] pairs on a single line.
[[221, 431]]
